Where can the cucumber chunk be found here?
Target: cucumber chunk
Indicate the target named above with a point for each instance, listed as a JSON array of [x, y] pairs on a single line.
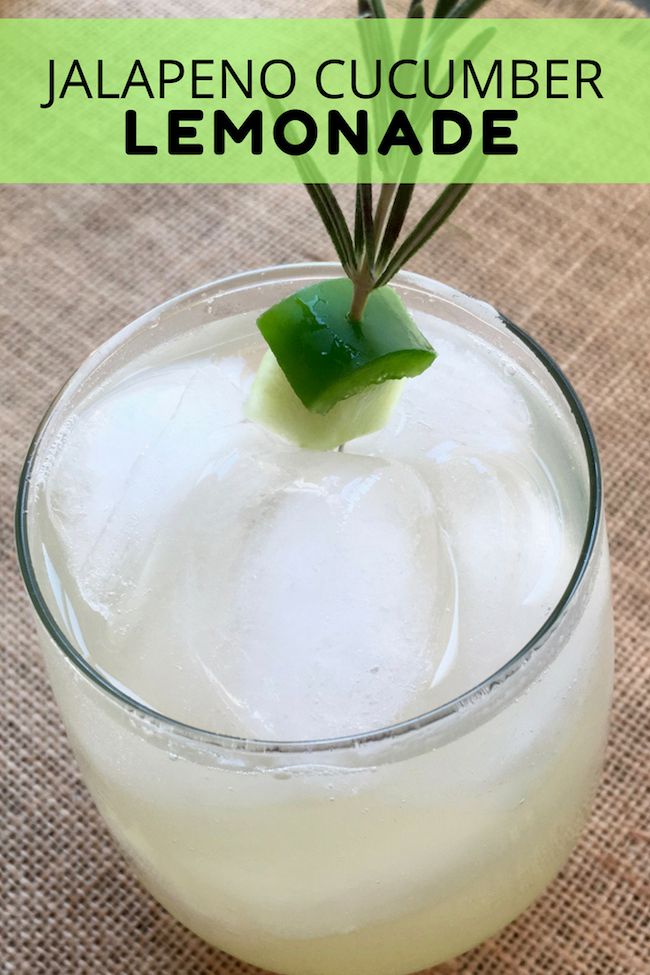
[[273, 403], [327, 358]]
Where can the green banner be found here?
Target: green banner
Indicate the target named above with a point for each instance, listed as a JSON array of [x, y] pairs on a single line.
[[281, 101]]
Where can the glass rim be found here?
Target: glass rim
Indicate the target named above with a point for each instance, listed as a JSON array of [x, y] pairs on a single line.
[[441, 713]]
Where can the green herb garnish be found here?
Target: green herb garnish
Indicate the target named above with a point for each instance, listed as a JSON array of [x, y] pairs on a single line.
[[333, 344]]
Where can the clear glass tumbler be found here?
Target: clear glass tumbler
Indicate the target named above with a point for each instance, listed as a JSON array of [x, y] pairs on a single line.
[[378, 854]]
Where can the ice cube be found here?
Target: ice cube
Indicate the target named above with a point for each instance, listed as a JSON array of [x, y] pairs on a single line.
[[306, 595], [129, 457], [466, 398], [509, 548]]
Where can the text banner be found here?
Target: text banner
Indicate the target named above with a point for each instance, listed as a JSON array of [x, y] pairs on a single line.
[[282, 101]]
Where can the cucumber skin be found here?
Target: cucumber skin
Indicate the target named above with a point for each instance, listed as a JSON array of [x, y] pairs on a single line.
[[326, 357], [273, 404]]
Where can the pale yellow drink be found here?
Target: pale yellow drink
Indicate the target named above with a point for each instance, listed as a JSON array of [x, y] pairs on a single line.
[[218, 577]]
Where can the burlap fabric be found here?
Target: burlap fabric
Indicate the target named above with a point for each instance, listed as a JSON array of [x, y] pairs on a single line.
[[571, 264]]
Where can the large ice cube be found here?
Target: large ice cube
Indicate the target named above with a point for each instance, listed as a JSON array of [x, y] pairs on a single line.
[[126, 462], [296, 595]]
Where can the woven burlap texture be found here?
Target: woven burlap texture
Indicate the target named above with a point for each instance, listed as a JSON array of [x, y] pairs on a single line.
[[570, 264]]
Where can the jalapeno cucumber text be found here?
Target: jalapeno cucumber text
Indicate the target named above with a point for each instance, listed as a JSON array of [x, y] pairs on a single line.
[[417, 127]]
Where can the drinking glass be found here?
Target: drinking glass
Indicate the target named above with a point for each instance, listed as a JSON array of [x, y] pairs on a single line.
[[374, 854]]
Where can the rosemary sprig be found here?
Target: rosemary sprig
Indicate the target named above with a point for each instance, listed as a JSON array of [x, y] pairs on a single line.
[[365, 221], [443, 8], [467, 8], [371, 8], [416, 9], [332, 216], [395, 222], [370, 255]]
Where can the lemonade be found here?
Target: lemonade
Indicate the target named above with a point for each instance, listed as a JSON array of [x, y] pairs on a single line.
[[344, 710]]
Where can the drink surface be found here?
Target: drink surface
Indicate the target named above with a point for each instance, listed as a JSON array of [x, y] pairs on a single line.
[[240, 584]]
